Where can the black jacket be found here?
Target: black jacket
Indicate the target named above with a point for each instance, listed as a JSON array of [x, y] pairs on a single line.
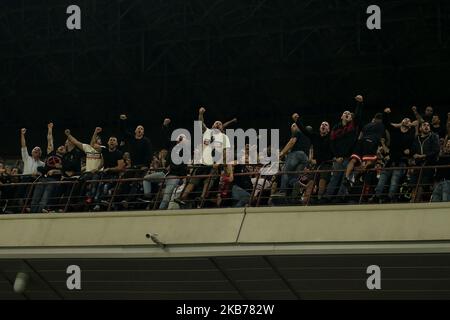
[[140, 150], [321, 144], [428, 146], [343, 138]]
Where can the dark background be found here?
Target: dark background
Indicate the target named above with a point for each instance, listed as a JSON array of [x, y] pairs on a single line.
[[255, 60]]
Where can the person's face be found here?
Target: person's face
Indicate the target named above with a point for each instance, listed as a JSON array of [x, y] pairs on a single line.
[[36, 153], [406, 122], [218, 125], [139, 131], [113, 143], [429, 111], [347, 116], [61, 150], [324, 128], [435, 120], [425, 127]]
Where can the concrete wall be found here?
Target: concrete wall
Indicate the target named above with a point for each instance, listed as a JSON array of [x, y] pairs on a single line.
[[228, 231]]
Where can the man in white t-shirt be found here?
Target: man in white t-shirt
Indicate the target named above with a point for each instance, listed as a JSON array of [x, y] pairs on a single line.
[[214, 151], [93, 151], [94, 162], [33, 161]]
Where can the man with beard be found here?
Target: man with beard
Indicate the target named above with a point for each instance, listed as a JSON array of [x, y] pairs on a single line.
[[425, 152], [401, 139]]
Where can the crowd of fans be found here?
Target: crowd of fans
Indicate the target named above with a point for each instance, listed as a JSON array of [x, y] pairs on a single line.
[[385, 160]]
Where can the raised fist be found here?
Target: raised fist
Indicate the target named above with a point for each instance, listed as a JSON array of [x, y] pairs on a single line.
[[67, 132], [23, 131], [295, 117], [50, 125], [414, 109], [123, 117], [202, 110], [98, 130], [359, 98], [387, 110], [166, 122]]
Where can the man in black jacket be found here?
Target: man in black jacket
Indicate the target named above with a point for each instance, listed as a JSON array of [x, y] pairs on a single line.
[[425, 153], [343, 137], [140, 150], [139, 146], [401, 139], [322, 155]]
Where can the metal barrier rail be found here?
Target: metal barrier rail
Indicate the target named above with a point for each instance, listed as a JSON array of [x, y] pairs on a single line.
[[124, 192]]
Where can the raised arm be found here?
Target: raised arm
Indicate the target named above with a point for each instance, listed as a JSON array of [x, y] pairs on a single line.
[[73, 139], [229, 123], [165, 132], [50, 145], [359, 106], [23, 142], [95, 136], [201, 118], [126, 134]]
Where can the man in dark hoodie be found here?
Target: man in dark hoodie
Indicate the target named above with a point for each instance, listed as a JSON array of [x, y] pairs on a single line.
[[401, 139], [425, 153], [322, 154], [343, 137], [441, 190]]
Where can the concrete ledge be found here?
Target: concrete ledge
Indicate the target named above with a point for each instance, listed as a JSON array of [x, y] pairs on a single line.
[[398, 222], [227, 232]]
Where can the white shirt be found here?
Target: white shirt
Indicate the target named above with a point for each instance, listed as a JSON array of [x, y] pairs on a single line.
[[213, 140], [29, 164], [93, 158]]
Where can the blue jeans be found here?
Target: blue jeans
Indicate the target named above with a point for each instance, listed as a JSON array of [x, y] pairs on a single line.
[[152, 178], [295, 161], [240, 195], [335, 184], [42, 194], [171, 185], [441, 192], [391, 177]]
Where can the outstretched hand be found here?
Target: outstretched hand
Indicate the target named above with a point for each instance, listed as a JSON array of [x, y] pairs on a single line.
[[123, 117], [166, 122], [67, 132], [23, 131], [359, 98]]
